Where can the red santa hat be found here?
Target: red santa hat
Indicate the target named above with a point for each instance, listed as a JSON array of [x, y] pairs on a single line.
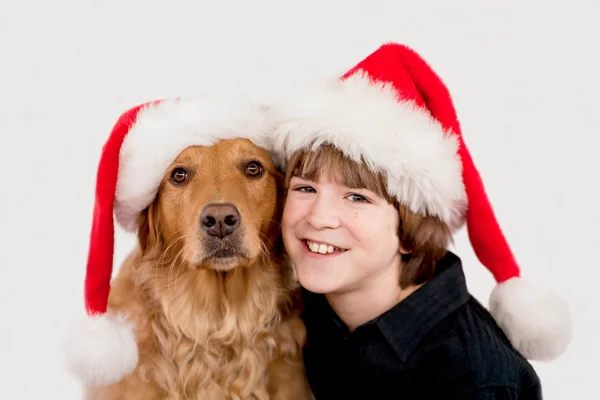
[[394, 113], [143, 143]]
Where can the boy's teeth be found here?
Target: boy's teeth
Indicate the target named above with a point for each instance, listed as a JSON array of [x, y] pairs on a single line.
[[323, 248], [320, 247]]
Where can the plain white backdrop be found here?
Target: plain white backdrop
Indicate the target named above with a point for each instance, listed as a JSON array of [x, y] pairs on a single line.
[[523, 75]]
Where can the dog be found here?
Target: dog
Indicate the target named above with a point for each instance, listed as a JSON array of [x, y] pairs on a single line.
[[209, 288]]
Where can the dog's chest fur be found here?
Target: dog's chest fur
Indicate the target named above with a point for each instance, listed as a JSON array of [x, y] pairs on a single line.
[[208, 335]]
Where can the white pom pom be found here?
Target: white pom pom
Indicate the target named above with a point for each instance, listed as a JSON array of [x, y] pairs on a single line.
[[536, 320], [101, 350]]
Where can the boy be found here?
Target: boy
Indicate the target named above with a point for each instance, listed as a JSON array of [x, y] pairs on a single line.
[[378, 178]]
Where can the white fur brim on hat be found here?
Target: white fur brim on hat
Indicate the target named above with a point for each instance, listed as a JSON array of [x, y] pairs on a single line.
[[367, 122], [163, 130], [102, 350], [536, 320]]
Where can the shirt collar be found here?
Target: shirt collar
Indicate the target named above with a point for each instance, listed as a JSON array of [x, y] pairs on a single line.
[[405, 325]]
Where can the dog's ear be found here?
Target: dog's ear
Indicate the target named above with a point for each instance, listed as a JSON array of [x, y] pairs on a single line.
[[148, 232]]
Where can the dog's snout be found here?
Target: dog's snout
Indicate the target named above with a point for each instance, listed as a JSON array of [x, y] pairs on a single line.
[[220, 219]]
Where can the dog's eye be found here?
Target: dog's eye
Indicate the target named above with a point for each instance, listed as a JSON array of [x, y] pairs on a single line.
[[179, 175], [253, 169]]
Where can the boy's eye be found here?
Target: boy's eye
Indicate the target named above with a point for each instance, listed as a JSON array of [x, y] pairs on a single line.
[[357, 198]]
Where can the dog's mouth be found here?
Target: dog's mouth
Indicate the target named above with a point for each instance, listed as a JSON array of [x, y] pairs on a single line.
[[225, 253], [222, 254]]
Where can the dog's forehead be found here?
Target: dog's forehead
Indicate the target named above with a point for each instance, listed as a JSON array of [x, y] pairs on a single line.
[[224, 149], [241, 145], [190, 153]]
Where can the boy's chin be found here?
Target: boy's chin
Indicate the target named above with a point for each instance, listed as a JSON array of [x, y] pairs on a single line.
[[319, 286], [321, 280], [316, 289]]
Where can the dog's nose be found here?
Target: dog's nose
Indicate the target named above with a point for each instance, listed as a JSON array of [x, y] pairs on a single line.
[[220, 219]]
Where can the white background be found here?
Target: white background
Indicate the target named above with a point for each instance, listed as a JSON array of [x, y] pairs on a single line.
[[524, 78]]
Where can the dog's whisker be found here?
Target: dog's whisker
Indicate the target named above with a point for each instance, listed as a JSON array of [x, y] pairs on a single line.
[[176, 232], [264, 253], [182, 260], [262, 235], [179, 261], [163, 255], [278, 223], [231, 279], [165, 251]]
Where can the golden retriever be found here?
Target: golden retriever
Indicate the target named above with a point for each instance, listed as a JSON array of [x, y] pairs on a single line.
[[208, 287]]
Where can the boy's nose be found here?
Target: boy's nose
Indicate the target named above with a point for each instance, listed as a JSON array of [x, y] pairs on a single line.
[[323, 215]]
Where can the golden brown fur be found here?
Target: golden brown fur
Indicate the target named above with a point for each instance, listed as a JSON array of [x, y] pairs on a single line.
[[209, 324]]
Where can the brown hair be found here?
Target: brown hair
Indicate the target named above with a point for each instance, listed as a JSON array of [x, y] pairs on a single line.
[[425, 237]]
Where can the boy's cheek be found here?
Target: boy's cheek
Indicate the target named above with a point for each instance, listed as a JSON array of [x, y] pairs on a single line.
[[287, 220], [293, 210]]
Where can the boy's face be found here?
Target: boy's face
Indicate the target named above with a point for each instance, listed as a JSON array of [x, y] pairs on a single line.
[[340, 239]]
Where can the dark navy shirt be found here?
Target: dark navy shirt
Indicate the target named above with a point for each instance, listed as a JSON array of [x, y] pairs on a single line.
[[438, 343]]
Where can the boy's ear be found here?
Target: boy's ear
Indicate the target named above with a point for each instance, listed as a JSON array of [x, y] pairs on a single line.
[[402, 250]]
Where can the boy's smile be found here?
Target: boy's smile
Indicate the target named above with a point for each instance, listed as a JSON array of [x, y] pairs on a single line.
[[322, 248]]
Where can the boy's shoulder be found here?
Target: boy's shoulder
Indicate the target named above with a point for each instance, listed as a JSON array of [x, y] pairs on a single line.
[[469, 352]]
